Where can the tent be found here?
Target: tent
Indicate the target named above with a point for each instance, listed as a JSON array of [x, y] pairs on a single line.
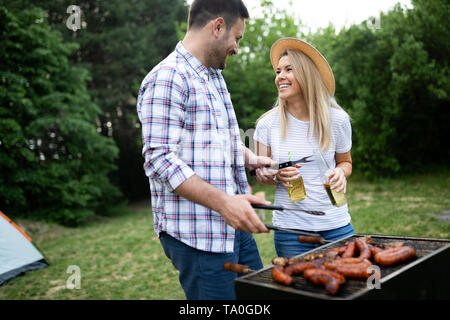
[[17, 252]]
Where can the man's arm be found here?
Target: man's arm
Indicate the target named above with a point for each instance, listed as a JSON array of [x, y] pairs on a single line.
[[160, 110], [252, 161], [236, 210], [264, 176]]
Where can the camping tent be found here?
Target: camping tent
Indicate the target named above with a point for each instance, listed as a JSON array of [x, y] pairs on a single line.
[[17, 252]]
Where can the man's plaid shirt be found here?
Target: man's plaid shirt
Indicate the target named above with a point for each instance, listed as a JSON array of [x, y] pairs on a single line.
[[182, 135]]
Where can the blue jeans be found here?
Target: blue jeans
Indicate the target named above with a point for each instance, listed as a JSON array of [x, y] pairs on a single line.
[[287, 245], [201, 273]]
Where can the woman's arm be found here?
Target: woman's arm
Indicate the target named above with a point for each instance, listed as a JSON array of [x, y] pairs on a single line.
[[342, 171]]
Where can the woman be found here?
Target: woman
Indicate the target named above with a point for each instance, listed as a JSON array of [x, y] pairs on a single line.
[[306, 118]]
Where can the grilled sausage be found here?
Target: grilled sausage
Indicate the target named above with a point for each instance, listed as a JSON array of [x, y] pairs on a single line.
[[392, 245], [350, 270], [299, 267], [349, 250], [339, 250], [293, 261], [374, 250], [311, 239], [280, 261], [235, 267], [280, 276], [313, 256], [339, 277], [393, 256], [347, 261], [330, 283], [363, 247], [331, 255]]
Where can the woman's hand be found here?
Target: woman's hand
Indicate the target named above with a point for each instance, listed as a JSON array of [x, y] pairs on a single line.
[[337, 180], [287, 175]]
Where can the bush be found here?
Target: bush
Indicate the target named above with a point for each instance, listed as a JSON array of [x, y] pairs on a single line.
[[54, 163]]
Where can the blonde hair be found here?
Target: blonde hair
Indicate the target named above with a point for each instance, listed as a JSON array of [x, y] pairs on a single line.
[[317, 98]]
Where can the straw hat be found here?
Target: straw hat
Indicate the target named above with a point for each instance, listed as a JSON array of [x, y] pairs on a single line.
[[321, 63]]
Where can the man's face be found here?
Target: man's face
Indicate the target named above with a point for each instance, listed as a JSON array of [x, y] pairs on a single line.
[[227, 45]]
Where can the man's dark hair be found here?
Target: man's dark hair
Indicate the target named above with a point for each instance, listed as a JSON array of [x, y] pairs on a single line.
[[202, 11]]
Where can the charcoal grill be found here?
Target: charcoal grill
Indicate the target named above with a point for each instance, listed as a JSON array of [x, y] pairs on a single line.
[[425, 277]]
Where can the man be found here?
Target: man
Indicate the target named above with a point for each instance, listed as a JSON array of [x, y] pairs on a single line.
[[194, 157]]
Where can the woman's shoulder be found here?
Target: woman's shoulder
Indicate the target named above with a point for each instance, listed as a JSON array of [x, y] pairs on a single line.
[[269, 118], [338, 116]]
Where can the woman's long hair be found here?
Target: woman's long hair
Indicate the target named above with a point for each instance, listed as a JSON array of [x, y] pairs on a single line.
[[317, 98]]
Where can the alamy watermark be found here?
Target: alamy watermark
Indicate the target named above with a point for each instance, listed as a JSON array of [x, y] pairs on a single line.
[[373, 23], [74, 20], [74, 281], [373, 282]]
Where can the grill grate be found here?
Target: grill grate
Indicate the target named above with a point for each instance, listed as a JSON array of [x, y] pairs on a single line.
[[423, 247]]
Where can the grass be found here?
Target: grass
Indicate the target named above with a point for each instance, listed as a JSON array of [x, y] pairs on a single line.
[[121, 257]]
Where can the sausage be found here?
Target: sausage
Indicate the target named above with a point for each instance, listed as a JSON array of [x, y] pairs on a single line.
[[350, 270], [331, 255], [352, 260], [293, 261], [374, 250], [280, 261], [311, 239], [299, 267], [339, 277], [313, 256], [363, 247], [339, 250], [349, 250], [330, 283], [235, 267], [393, 256], [280, 276], [392, 245]]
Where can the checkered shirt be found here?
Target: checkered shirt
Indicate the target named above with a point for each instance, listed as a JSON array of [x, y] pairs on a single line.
[[182, 135]]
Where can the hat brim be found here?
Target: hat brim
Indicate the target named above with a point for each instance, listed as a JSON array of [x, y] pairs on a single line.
[[321, 63]]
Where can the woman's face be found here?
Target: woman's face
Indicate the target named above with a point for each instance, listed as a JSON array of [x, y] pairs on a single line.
[[287, 85]]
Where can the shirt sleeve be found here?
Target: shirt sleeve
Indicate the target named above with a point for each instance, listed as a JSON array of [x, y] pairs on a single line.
[[161, 110], [262, 131], [344, 136]]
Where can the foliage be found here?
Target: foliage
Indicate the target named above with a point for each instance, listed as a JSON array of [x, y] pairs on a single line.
[[392, 77], [249, 75], [119, 43], [59, 90], [53, 162], [394, 82]]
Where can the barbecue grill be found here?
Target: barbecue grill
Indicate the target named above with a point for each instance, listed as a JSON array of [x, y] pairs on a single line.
[[425, 277]]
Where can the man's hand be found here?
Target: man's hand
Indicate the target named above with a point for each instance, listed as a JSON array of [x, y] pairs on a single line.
[[238, 213], [266, 176], [252, 161], [236, 210]]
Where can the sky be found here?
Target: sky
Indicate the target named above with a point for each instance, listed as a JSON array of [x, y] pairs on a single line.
[[341, 13]]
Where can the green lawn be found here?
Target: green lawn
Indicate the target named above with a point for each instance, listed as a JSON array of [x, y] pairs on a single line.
[[121, 258]]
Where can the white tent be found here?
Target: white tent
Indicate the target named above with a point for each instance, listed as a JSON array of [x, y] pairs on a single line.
[[17, 252]]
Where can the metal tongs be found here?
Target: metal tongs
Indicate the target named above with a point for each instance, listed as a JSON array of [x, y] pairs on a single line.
[[285, 164], [271, 207]]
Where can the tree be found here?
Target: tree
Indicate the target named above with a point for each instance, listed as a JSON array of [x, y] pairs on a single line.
[[249, 75], [394, 82], [54, 162], [119, 43]]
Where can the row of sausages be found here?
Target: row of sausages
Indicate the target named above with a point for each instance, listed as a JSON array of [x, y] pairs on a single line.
[[330, 269]]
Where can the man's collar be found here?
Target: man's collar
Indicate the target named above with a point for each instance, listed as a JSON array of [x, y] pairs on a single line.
[[193, 62]]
